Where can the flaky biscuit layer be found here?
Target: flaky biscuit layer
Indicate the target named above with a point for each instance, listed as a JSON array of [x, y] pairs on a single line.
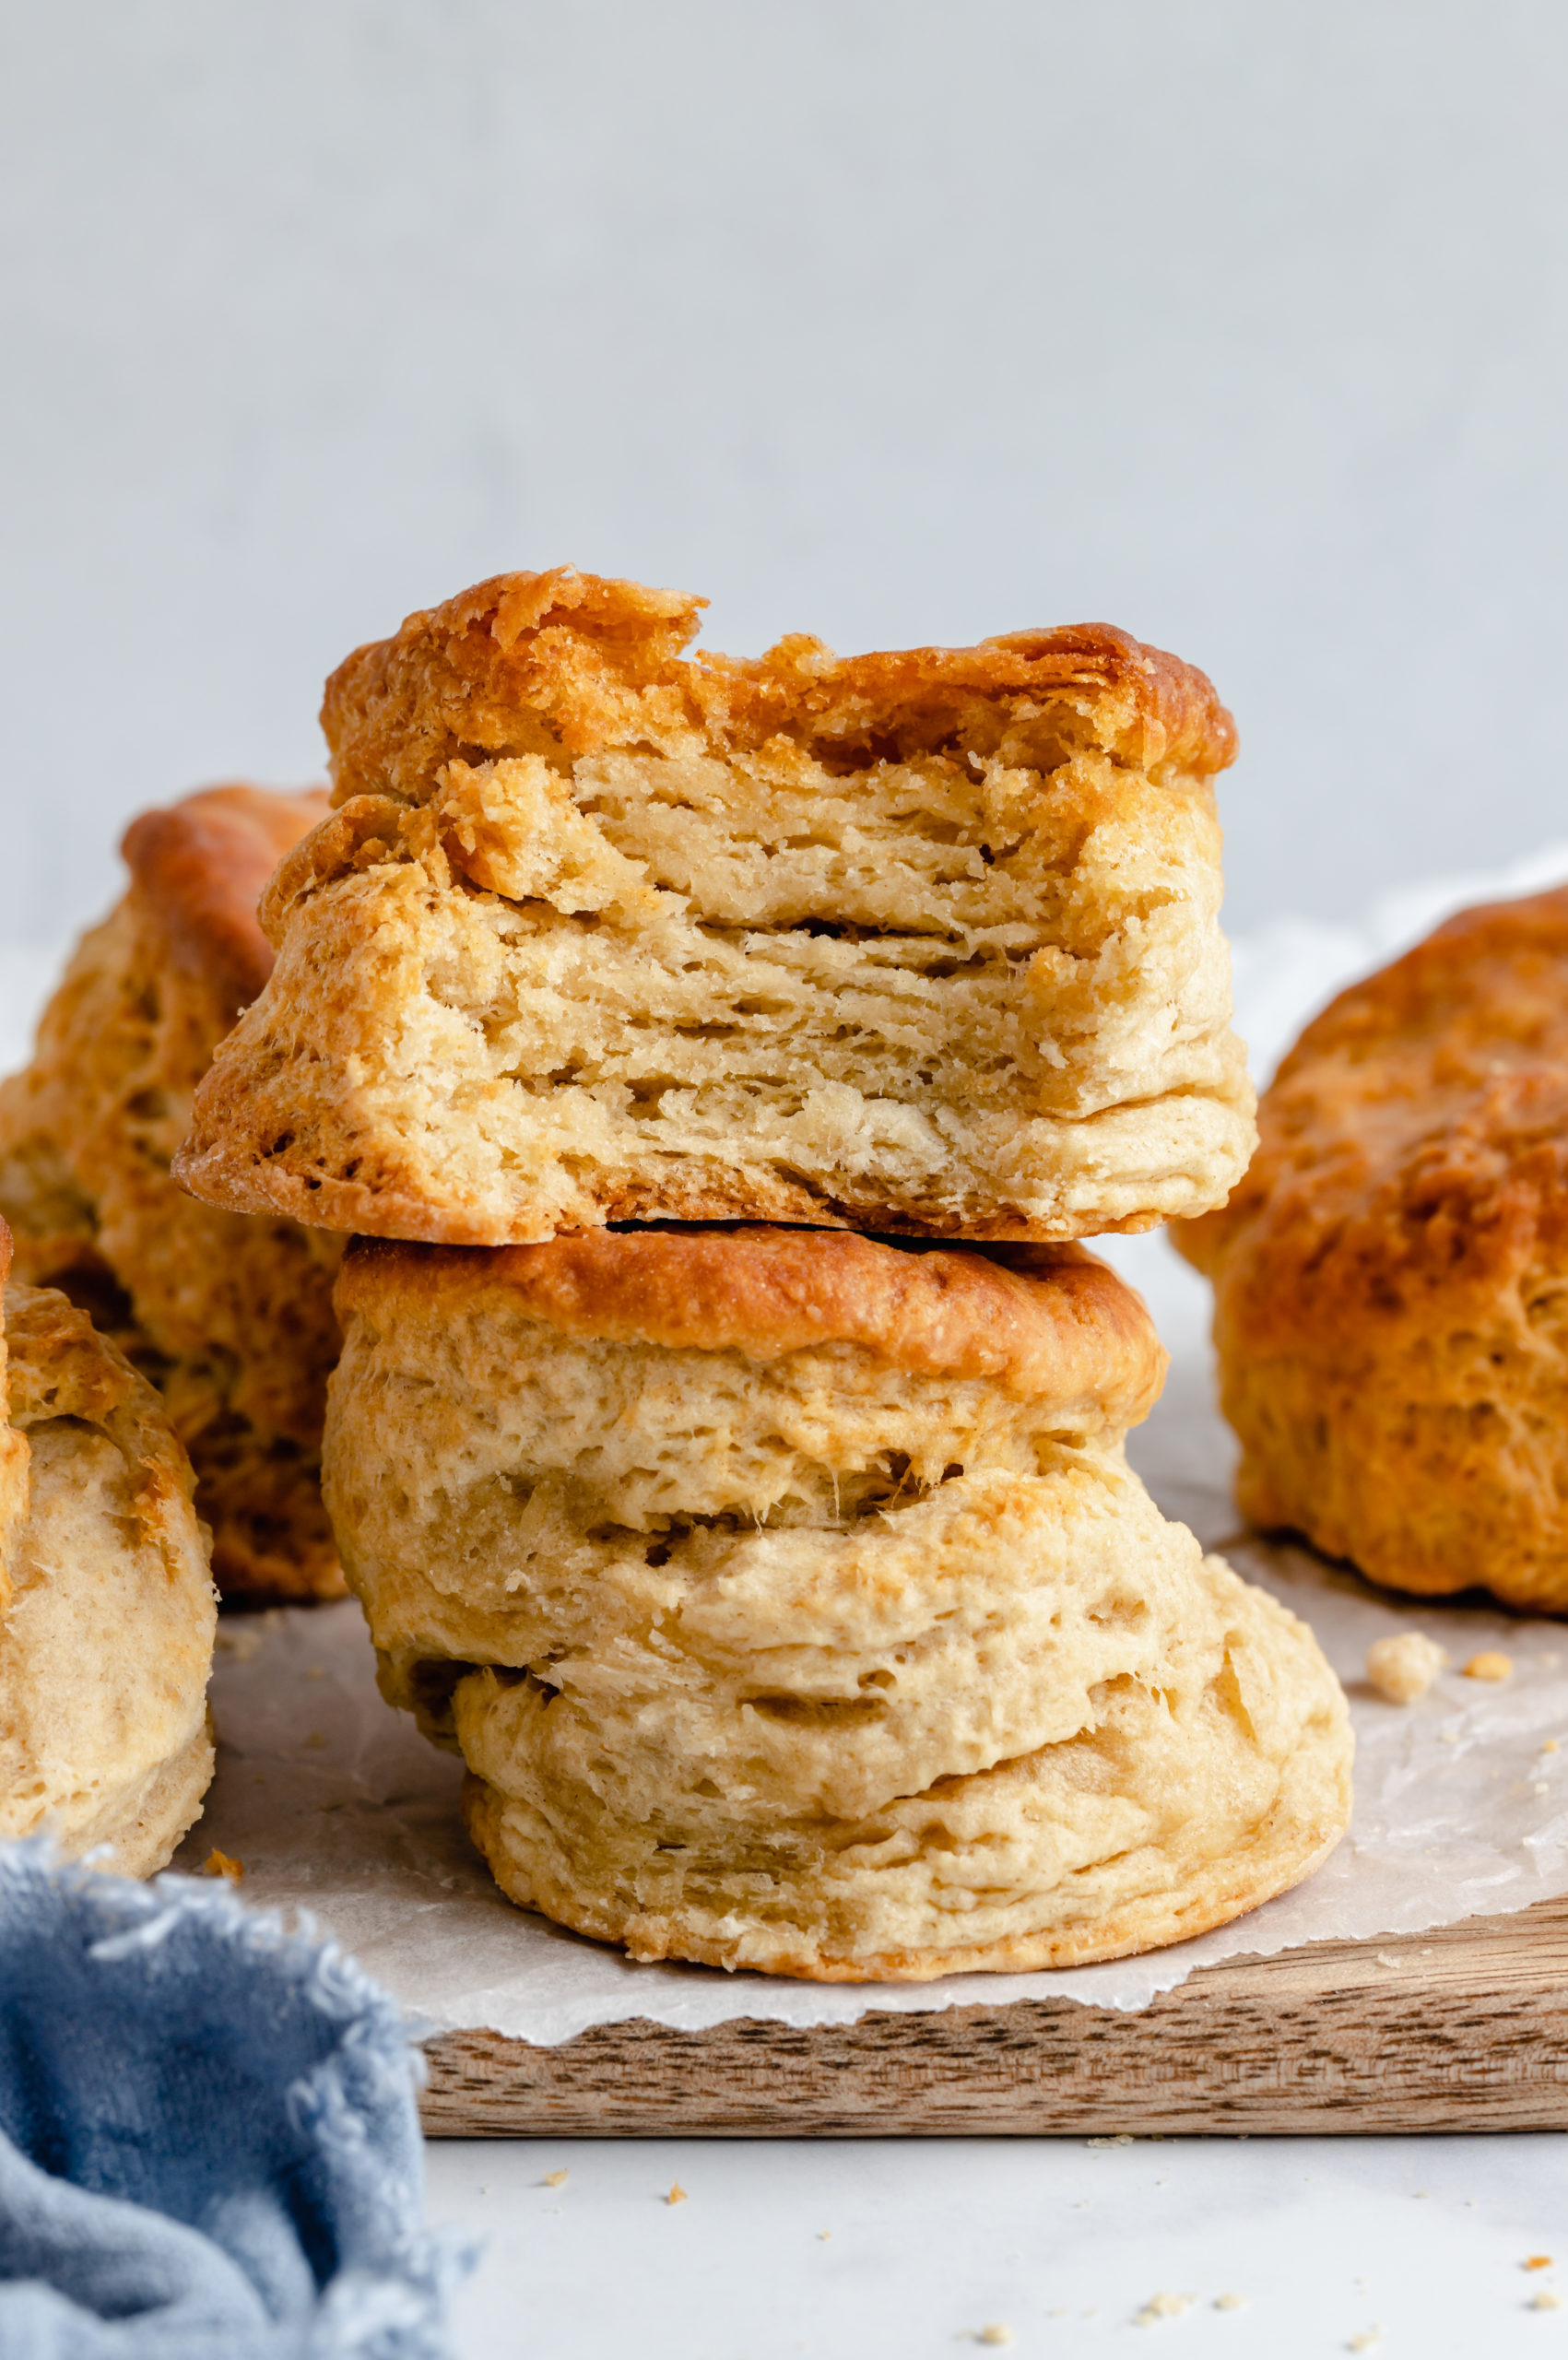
[[734, 1639], [925, 943], [1391, 1279], [106, 1646]]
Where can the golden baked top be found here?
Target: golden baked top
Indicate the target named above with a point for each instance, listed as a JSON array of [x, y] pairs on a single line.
[[565, 664], [199, 868], [1419, 1127], [1046, 1322]]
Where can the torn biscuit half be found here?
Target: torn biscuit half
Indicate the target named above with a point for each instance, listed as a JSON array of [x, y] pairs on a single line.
[[924, 943]]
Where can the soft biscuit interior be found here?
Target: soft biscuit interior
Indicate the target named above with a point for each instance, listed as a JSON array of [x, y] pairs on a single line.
[[997, 917], [756, 961]]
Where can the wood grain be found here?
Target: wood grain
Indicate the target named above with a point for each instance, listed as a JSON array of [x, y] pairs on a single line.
[[1463, 2028]]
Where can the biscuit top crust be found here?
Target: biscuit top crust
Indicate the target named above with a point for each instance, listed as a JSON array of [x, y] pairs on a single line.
[[566, 664], [1044, 1322], [1418, 1126], [199, 868]]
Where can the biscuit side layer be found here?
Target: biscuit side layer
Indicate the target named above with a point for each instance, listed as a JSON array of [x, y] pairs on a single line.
[[1050, 1324], [1180, 1804]]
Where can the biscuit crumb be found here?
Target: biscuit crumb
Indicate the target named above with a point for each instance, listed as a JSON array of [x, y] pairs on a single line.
[[1386, 1958], [1230, 2302], [315, 1742], [219, 1864], [1448, 1737], [315, 1671], [1163, 2307], [1545, 2301], [997, 2331], [1368, 2340], [822, 2236], [1549, 1745], [677, 2193], [1536, 2261], [553, 2179], [236, 1641], [1404, 1665], [1540, 1788], [1119, 2139], [1491, 1664]]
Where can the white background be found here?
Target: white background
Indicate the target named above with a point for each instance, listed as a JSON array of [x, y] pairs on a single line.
[[1240, 325]]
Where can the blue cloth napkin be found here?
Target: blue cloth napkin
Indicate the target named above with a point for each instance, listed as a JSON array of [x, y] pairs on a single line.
[[208, 2142]]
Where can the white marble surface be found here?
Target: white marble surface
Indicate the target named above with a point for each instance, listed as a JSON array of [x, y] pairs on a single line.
[[1416, 2244]]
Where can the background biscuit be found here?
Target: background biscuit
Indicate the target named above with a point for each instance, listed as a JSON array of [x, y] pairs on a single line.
[[232, 1318], [1391, 1278], [106, 1645]]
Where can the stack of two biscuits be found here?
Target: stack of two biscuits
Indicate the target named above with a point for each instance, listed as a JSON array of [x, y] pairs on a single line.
[[786, 1590]]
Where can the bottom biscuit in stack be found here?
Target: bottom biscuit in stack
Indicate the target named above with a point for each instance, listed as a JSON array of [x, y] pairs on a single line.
[[794, 1608], [107, 1609]]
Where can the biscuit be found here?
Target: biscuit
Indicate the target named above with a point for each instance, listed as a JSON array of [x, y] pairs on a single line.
[[923, 943], [1391, 1278], [106, 1641], [232, 1318], [793, 1606], [13, 1457]]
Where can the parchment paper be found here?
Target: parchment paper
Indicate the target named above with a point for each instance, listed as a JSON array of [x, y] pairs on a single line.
[[335, 1805]]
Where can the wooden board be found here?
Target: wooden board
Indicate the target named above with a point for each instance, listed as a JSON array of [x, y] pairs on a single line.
[[1463, 2028]]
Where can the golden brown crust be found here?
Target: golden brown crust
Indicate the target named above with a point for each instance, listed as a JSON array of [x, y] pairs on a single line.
[[230, 1318], [1391, 1275], [1045, 1323], [568, 663], [199, 868]]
